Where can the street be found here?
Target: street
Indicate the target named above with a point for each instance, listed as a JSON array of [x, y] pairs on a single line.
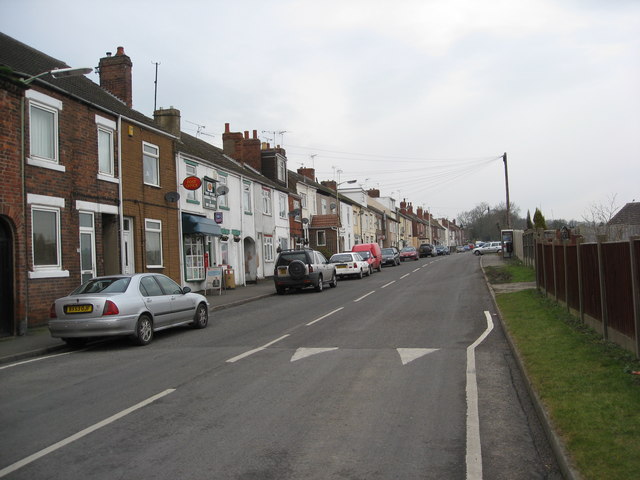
[[402, 375]]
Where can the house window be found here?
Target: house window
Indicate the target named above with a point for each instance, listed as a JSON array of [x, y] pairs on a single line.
[[284, 243], [222, 199], [46, 238], [304, 200], [194, 257], [150, 164], [282, 206], [282, 170], [153, 242], [322, 238], [246, 197], [323, 206], [298, 210], [268, 248], [191, 170], [106, 129], [266, 201]]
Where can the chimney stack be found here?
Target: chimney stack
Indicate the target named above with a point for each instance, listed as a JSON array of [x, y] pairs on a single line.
[[241, 147], [310, 173], [168, 119], [115, 75], [373, 193]]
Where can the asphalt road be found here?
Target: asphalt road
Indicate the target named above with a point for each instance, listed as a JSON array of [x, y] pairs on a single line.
[[402, 375]]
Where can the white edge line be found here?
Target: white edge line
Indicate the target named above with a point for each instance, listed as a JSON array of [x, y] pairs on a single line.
[[364, 296], [37, 359], [255, 350], [474, 449], [324, 316], [390, 283], [82, 433]]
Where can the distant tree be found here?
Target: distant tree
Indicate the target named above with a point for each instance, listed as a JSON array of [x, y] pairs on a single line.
[[485, 222], [538, 220], [598, 216], [529, 222]]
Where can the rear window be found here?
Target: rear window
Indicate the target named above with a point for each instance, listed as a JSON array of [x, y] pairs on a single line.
[[388, 251], [103, 285], [343, 257], [286, 258]]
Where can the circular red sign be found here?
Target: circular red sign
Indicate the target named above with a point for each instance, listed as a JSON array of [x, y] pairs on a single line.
[[192, 183]]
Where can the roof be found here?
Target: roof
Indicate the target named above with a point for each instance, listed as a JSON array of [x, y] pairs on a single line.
[[26, 61], [322, 221], [628, 215]]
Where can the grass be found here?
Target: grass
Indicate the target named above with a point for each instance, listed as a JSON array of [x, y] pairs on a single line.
[[513, 271], [586, 384]]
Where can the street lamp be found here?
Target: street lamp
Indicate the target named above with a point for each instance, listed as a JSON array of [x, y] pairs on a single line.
[[60, 73]]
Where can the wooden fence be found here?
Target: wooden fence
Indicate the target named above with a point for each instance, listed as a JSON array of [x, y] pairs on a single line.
[[599, 282]]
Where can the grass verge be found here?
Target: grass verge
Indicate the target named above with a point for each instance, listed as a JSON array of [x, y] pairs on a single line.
[[586, 384], [511, 271]]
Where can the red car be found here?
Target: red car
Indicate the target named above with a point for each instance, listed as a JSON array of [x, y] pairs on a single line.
[[409, 253]]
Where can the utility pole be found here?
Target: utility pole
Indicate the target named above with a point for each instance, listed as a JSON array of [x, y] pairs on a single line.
[[506, 182]]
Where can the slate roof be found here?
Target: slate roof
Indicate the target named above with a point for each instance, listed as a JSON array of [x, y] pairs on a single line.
[[628, 215], [26, 61]]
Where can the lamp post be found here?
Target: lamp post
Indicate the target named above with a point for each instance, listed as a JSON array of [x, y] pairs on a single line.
[[60, 73]]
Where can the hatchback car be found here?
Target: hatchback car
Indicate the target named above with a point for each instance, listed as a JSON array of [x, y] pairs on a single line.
[[390, 256], [350, 264], [489, 247], [136, 305], [409, 253], [303, 268]]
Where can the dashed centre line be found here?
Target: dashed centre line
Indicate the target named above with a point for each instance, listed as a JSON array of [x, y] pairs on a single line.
[[364, 296]]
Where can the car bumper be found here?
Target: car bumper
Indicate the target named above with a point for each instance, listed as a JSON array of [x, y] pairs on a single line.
[[343, 272], [102, 327], [306, 281]]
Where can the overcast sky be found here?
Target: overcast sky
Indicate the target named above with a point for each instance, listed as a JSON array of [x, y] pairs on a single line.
[[419, 99]]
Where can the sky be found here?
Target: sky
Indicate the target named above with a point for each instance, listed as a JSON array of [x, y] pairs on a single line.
[[417, 98]]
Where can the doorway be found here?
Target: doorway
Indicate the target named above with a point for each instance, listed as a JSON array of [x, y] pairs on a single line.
[[6, 280]]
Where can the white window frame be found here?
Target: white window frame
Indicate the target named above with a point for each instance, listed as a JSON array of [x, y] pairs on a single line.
[[268, 248], [53, 106], [194, 263], [149, 230], [282, 205], [108, 127], [246, 197], [146, 156], [223, 202], [281, 168], [55, 205], [191, 170], [266, 201], [324, 238]]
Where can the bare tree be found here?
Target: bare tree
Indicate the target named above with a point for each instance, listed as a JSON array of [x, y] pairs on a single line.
[[597, 218]]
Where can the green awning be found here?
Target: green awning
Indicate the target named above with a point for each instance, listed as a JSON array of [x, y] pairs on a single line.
[[204, 226]]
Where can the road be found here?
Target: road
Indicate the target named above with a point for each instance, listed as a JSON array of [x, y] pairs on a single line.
[[402, 375]]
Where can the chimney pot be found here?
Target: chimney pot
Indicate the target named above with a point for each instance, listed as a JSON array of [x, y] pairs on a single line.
[[120, 51], [226, 128], [255, 134], [246, 134]]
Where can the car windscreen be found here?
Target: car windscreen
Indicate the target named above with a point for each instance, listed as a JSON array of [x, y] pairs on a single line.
[[103, 285], [408, 249], [344, 257], [284, 260]]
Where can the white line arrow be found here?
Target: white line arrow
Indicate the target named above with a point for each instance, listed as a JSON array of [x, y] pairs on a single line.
[[408, 355], [307, 352]]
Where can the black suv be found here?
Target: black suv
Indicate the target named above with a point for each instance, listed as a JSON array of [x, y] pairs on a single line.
[[303, 268], [426, 250]]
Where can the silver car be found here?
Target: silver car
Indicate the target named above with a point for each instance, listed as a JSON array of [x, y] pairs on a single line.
[[136, 305]]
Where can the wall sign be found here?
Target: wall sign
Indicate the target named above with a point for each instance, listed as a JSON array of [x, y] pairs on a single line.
[[192, 183]]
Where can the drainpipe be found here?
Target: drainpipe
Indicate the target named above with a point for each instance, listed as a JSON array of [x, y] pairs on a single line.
[[23, 326], [120, 197]]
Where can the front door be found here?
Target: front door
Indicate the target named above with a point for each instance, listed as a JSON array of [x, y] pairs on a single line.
[[87, 247], [128, 263], [6, 279]]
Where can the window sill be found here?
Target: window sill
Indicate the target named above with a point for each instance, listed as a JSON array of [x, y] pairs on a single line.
[[36, 162], [108, 178], [49, 274]]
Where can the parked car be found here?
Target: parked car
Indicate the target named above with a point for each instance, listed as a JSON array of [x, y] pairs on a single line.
[[367, 257], [303, 268], [136, 305], [488, 247], [390, 256], [426, 250], [375, 252], [409, 253], [350, 264], [442, 250]]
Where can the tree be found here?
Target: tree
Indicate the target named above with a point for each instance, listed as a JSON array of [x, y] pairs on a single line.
[[529, 222], [538, 220]]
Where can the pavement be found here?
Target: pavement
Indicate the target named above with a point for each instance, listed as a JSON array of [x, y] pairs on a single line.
[[38, 341]]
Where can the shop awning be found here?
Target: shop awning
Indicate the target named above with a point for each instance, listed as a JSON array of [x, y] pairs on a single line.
[[204, 226]]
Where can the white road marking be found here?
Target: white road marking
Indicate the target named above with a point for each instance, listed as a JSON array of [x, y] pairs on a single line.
[[37, 359], [32, 458], [307, 352], [417, 269], [255, 350], [405, 276], [408, 355], [324, 316], [474, 449], [364, 296], [390, 283]]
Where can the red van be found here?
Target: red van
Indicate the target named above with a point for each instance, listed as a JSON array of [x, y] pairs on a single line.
[[375, 254]]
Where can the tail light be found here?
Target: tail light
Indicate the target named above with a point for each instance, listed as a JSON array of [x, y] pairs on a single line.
[[110, 308], [310, 269], [355, 265], [52, 311]]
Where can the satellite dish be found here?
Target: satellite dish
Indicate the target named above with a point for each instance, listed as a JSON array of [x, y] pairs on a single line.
[[305, 220], [222, 190], [294, 213], [333, 206], [172, 197]]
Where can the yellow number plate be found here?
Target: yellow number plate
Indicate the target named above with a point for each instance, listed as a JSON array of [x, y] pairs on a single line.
[[282, 270], [78, 308]]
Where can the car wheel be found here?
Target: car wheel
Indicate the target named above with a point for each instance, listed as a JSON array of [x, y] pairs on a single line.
[[201, 318], [361, 274], [75, 342], [334, 281], [144, 331], [477, 254], [297, 269], [370, 271], [320, 285], [380, 268]]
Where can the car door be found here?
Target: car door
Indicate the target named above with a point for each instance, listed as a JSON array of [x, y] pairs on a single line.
[[156, 301], [325, 266], [182, 306]]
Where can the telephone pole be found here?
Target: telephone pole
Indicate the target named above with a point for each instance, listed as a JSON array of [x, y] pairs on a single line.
[[506, 182]]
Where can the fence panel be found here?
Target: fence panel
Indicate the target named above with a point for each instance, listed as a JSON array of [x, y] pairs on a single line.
[[548, 267], [539, 266], [561, 294], [618, 287], [590, 280], [573, 293]]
